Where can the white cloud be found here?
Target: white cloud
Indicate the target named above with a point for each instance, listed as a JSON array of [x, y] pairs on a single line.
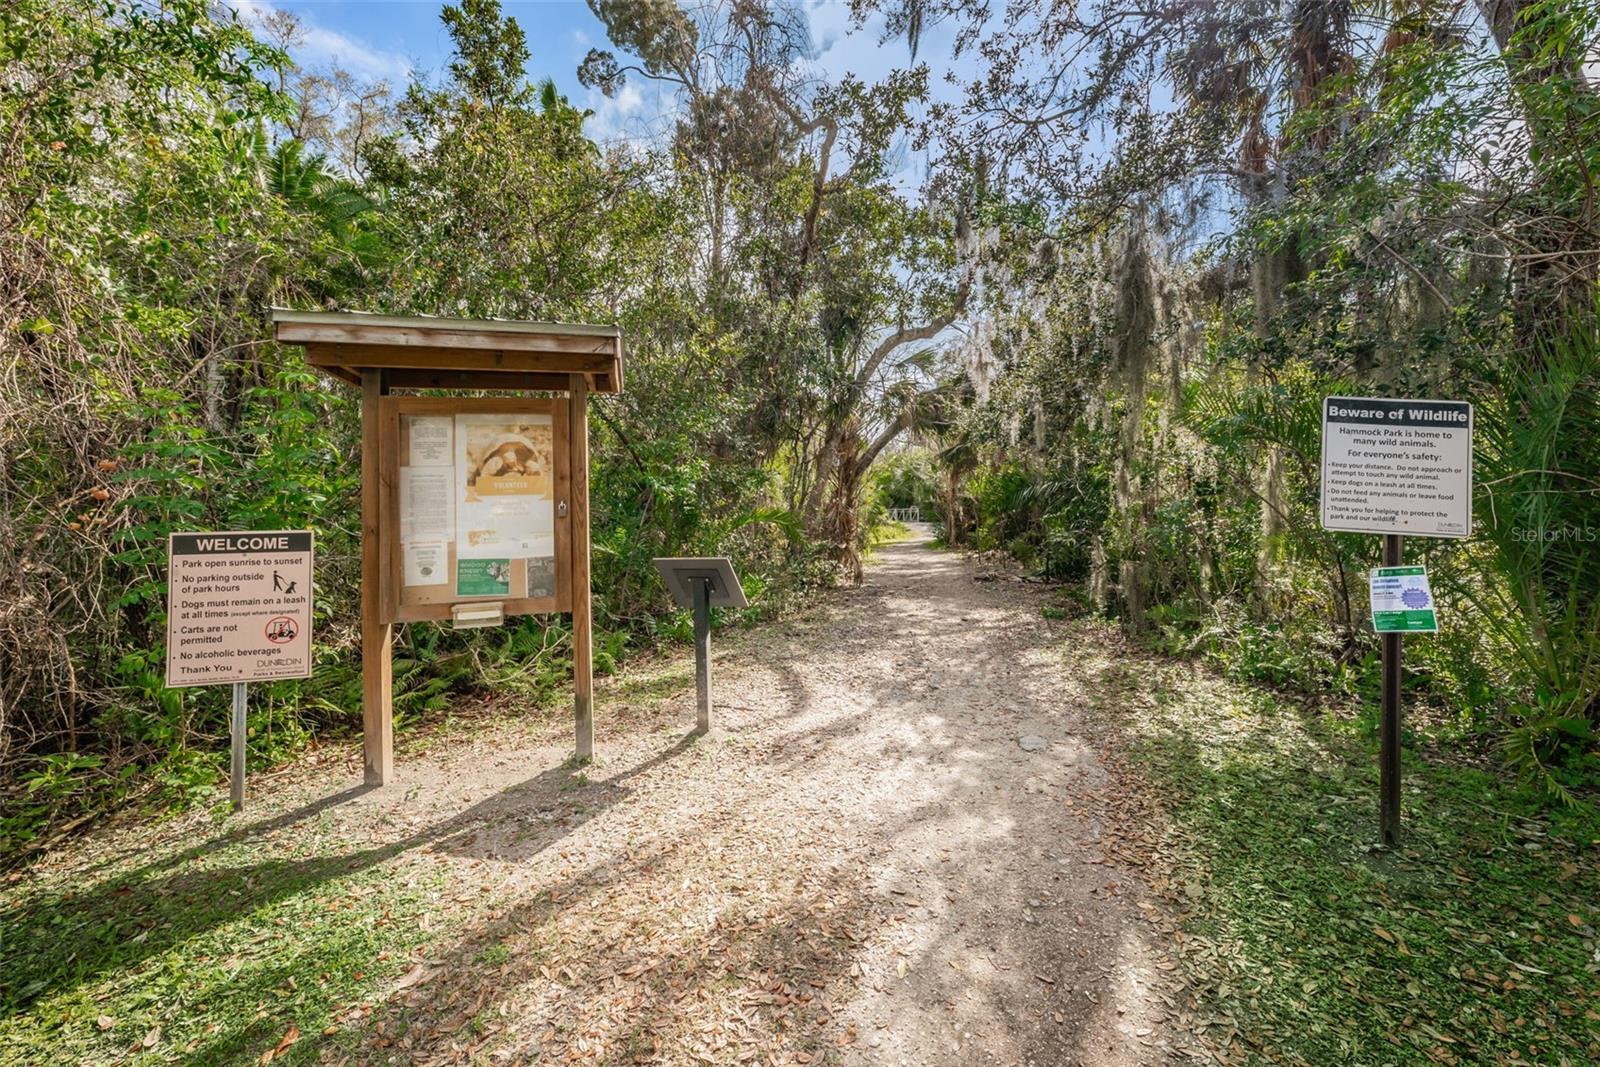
[[625, 117], [324, 47]]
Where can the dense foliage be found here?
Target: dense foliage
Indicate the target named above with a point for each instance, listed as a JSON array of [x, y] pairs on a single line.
[[1204, 218], [172, 175]]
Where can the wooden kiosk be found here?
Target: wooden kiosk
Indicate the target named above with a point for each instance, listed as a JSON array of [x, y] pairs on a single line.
[[472, 508]]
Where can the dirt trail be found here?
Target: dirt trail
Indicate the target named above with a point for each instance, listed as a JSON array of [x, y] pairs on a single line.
[[886, 852], [943, 722], [882, 854]]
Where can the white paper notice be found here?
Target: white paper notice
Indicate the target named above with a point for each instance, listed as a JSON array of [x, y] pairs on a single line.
[[431, 440], [426, 562], [507, 527], [426, 504]]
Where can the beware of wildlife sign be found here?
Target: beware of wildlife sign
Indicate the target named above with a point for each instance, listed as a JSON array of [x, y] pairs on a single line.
[[1397, 466], [238, 607]]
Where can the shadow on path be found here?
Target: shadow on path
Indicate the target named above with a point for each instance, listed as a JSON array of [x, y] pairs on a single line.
[[123, 920]]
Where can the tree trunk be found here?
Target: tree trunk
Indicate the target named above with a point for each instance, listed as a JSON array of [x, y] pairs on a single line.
[[827, 462], [1560, 278]]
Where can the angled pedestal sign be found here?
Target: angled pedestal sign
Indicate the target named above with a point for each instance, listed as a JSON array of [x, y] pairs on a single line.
[[1396, 467], [701, 583], [238, 611]]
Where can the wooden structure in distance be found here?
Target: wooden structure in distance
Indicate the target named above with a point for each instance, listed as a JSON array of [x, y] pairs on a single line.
[[380, 353]]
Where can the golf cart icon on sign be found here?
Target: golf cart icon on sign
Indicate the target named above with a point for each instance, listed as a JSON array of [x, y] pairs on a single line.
[[282, 630]]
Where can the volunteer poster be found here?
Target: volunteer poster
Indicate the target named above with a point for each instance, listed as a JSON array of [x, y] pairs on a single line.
[[1402, 601]]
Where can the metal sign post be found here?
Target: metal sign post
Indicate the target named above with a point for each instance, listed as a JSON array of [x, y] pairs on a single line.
[[702, 651], [236, 738], [1389, 732], [1395, 467], [238, 611], [700, 583]]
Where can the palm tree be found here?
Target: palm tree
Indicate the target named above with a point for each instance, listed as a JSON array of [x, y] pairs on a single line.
[[957, 459], [303, 181], [1538, 507]]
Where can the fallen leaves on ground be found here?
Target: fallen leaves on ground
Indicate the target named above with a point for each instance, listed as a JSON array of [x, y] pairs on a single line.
[[1299, 942]]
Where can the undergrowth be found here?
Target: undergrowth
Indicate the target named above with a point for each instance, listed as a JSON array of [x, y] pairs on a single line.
[[1474, 942]]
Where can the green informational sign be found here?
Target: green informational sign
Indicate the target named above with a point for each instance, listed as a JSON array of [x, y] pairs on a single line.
[[1402, 601], [483, 577]]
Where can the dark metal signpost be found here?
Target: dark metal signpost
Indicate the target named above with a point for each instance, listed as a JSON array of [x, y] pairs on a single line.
[[701, 583], [702, 652], [1389, 740], [1395, 467]]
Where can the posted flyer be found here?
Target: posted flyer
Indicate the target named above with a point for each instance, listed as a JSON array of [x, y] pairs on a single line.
[[476, 504]]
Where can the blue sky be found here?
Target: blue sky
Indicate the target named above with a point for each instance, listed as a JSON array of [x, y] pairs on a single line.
[[390, 40]]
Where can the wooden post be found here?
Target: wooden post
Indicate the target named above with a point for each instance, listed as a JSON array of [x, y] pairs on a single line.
[[377, 635], [582, 608]]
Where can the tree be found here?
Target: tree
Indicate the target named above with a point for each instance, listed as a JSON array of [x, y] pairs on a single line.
[[491, 53], [136, 252], [824, 266], [498, 204], [329, 110], [1545, 45]]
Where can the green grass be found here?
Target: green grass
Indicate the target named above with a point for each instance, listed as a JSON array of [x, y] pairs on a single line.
[[213, 954], [214, 950], [216, 947], [1474, 942], [886, 533]]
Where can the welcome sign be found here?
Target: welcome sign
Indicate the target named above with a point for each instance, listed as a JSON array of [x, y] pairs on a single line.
[[238, 607]]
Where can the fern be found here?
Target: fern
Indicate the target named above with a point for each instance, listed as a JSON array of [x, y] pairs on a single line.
[[1538, 507]]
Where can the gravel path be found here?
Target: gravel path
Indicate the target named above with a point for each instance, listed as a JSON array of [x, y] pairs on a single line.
[[884, 853], [944, 729], [887, 851]]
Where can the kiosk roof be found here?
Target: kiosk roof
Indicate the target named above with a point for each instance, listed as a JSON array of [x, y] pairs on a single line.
[[423, 352]]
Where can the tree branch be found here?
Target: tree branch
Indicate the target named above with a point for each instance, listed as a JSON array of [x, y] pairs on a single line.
[[910, 334], [808, 233], [879, 443]]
